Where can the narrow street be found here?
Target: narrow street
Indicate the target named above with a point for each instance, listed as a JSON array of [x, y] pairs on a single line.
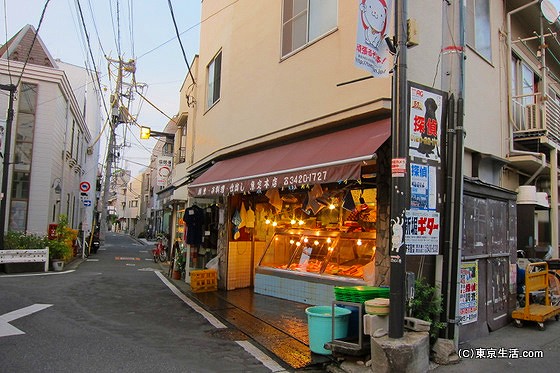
[[113, 313]]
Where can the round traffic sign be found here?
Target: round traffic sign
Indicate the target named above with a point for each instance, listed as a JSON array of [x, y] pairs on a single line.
[[85, 186]]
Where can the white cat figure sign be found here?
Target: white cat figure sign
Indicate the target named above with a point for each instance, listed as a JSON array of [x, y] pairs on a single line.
[[372, 52]]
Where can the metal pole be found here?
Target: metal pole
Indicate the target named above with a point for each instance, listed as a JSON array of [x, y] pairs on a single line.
[[452, 81], [6, 166], [400, 185]]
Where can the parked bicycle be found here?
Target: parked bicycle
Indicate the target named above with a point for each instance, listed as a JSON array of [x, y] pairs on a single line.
[[159, 252]]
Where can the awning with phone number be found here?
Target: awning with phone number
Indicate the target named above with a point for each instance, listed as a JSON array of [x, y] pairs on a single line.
[[328, 158]]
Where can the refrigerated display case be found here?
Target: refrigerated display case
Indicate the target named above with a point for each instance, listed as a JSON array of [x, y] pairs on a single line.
[[328, 254]]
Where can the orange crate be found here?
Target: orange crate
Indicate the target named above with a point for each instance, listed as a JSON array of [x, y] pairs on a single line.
[[204, 280]]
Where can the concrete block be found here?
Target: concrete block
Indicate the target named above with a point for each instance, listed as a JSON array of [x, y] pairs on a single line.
[[444, 353], [374, 322], [409, 354], [416, 325]]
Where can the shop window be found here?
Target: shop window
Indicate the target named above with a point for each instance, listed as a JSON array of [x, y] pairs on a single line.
[[214, 80], [304, 21], [478, 27]]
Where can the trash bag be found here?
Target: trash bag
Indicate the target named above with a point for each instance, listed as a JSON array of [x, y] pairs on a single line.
[[214, 264]]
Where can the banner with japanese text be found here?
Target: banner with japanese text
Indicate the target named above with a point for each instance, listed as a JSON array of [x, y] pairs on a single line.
[[468, 293], [372, 52], [164, 164]]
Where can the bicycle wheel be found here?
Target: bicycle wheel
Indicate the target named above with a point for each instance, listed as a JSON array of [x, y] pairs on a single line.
[[554, 287], [163, 256]]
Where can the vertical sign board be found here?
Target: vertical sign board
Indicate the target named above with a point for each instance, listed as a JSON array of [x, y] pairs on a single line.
[[164, 164], [372, 52], [426, 114], [468, 293]]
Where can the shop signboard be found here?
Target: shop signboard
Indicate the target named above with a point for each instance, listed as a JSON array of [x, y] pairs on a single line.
[[468, 293], [164, 164], [372, 51], [426, 114], [427, 107], [422, 232]]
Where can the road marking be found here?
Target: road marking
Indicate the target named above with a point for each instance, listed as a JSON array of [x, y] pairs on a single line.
[[149, 270], [6, 329], [92, 260], [261, 356], [247, 346], [208, 316], [130, 265], [39, 274], [126, 258], [143, 251]]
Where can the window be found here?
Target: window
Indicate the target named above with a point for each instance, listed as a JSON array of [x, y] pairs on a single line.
[[214, 78], [133, 203], [524, 90], [303, 21], [478, 27], [23, 152]]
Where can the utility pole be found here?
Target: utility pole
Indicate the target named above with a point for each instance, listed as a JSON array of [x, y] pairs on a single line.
[[114, 122], [400, 176], [6, 165], [452, 81]]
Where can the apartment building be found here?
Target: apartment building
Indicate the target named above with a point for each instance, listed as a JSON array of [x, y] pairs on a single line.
[[288, 149]]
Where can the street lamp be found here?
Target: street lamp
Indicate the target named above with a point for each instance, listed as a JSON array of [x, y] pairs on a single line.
[[56, 186]]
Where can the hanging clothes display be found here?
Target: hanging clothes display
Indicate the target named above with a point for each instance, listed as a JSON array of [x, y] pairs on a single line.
[[194, 220]]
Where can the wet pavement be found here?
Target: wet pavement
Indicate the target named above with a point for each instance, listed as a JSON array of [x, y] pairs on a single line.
[[278, 326]]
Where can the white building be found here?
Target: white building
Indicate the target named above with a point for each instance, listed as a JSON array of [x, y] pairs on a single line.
[[54, 151]]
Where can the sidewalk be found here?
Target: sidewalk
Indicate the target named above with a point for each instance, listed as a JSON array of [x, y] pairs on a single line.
[[280, 327]]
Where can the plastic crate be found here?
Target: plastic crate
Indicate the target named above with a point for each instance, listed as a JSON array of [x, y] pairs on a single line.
[[204, 280]]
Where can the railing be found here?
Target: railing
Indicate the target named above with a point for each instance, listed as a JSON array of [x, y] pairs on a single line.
[[528, 117]]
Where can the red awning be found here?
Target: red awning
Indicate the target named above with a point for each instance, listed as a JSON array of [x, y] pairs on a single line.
[[323, 159]]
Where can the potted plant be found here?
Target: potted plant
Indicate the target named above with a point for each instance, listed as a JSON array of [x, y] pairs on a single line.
[[427, 305], [61, 247], [179, 264]]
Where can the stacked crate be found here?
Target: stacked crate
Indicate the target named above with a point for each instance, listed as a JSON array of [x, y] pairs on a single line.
[[204, 280]]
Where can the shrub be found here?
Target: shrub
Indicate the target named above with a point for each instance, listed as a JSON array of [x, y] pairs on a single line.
[[427, 306], [23, 241]]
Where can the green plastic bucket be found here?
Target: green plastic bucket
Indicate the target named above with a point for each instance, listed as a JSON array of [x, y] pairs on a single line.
[[319, 322]]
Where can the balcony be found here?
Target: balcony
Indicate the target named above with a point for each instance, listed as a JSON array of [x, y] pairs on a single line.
[[534, 118]]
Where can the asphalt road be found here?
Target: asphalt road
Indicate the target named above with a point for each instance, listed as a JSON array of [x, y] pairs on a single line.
[[112, 314]]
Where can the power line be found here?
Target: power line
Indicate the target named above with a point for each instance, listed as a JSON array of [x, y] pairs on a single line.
[[179, 39]]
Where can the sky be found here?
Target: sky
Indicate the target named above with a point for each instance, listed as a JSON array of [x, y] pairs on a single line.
[[141, 29]]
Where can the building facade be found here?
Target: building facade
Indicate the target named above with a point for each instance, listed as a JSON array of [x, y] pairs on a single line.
[[277, 115], [54, 155]]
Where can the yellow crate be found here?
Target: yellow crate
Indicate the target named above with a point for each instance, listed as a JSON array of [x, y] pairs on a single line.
[[204, 280]]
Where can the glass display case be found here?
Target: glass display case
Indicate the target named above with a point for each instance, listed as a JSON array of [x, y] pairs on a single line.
[[327, 253]]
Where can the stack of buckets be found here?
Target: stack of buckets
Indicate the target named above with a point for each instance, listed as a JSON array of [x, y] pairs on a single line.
[[320, 324]]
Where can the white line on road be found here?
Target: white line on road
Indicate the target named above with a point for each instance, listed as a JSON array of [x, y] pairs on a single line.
[[208, 316], [39, 274], [261, 356], [247, 346]]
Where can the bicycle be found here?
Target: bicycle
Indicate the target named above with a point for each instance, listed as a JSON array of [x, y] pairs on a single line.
[[159, 253]]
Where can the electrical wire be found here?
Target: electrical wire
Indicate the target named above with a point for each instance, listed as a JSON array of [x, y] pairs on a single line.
[[179, 39], [33, 42]]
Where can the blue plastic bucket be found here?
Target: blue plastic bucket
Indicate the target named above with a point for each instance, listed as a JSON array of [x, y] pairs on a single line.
[[319, 322]]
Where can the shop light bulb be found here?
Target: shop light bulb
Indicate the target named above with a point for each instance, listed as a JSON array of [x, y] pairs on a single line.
[[305, 240], [331, 206], [316, 242], [328, 240], [301, 222], [292, 242], [293, 221], [274, 224], [359, 242], [331, 249], [298, 243], [267, 221]]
